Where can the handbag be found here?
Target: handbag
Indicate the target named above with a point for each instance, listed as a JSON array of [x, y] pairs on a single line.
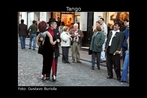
[[40, 49], [89, 51]]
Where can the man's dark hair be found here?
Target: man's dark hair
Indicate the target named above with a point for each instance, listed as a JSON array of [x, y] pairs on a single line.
[[117, 23], [34, 21], [102, 19], [22, 21]]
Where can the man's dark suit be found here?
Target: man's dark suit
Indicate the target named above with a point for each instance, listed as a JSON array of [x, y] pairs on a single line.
[[55, 37], [116, 44], [56, 48]]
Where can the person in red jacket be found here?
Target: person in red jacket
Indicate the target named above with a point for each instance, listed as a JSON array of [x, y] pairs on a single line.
[[56, 36]]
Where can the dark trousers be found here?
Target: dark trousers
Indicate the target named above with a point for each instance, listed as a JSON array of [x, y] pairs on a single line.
[[96, 55], [56, 63], [47, 63], [65, 51], [123, 52], [113, 60]]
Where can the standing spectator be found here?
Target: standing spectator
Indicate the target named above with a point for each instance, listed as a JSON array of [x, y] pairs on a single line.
[[97, 24], [113, 48], [22, 31], [77, 36], [33, 33], [123, 27], [104, 29], [125, 65], [96, 44], [126, 35], [65, 44]]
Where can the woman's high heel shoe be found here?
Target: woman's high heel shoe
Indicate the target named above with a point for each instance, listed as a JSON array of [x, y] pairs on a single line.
[[43, 77], [54, 78]]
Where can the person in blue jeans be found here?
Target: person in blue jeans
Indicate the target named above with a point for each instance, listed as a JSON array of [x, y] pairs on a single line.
[[22, 31], [126, 35], [33, 34], [124, 77]]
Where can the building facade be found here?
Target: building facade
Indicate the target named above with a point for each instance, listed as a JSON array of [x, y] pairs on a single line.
[[86, 20]]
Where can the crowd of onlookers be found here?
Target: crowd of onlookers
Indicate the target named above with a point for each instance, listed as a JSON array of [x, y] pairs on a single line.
[[108, 44]]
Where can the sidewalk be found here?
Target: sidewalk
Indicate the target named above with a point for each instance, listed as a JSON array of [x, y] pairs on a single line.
[[83, 53]]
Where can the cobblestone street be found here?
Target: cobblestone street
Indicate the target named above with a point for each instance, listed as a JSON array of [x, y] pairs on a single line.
[[73, 74]]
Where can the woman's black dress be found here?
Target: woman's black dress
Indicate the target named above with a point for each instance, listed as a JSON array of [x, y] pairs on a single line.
[[47, 57]]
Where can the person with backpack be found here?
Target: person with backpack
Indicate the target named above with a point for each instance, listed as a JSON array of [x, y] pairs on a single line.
[[46, 40]]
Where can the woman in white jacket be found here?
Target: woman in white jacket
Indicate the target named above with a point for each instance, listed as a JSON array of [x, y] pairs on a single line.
[[65, 44]]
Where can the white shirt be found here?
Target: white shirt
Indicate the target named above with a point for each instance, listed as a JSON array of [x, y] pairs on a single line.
[[113, 33], [104, 29]]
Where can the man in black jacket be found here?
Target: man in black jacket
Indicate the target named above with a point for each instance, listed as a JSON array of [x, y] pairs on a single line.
[[56, 35], [22, 31], [112, 49]]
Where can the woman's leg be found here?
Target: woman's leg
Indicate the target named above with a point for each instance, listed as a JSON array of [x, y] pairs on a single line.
[[63, 54], [93, 60], [66, 54], [47, 63], [98, 54]]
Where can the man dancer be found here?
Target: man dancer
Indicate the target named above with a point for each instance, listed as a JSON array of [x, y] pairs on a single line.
[[56, 36], [113, 48], [104, 29]]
